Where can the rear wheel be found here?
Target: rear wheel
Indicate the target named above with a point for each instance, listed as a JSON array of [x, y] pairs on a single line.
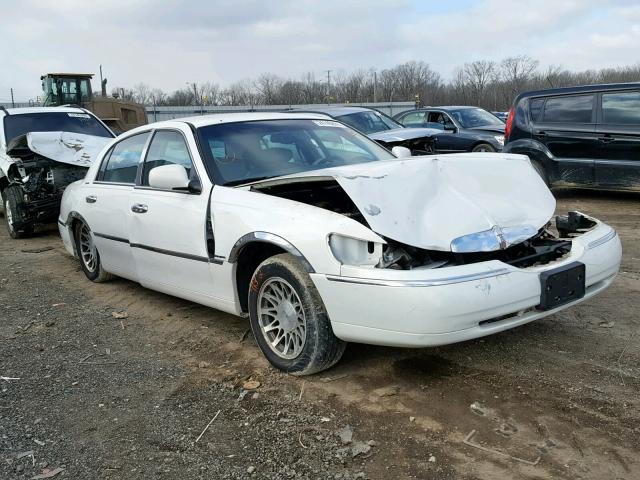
[[88, 254], [18, 225], [483, 147], [288, 318]]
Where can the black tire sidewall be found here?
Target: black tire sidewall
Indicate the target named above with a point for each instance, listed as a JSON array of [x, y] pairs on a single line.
[[76, 236], [9, 196], [539, 168], [317, 321], [486, 145]]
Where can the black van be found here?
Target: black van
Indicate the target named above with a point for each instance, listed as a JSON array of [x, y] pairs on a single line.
[[586, 136]]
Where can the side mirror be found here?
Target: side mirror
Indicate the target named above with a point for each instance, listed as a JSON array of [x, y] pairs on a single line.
[[451, 128], [169, 177], [401, 152]]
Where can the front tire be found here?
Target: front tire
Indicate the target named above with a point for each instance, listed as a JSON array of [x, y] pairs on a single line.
[[289, 320], [483, 147], [88, 254], [17, 223]]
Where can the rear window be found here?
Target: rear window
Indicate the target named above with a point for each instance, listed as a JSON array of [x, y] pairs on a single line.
[[573, 109], [621, 108], [535, 107], [16, 125]]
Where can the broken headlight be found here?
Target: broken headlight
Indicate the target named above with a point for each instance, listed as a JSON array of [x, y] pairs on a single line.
[[354, 251]]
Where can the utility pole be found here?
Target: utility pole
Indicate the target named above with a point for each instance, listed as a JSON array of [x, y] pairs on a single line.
[[13, 104], [328, 85], [375, 86]]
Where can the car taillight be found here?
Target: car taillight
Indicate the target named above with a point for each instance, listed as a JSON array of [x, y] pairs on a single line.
[[507, 128]]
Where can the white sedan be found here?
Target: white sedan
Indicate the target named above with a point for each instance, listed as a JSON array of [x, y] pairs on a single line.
[[323, 237]]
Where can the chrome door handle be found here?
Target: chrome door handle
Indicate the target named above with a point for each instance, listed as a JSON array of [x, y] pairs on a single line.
[[91, 199], [139, 208]]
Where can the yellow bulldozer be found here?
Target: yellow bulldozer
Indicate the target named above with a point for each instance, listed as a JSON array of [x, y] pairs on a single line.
[[75, 89]]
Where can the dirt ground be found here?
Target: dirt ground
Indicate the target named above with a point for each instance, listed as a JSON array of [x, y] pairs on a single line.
[[127, 398]]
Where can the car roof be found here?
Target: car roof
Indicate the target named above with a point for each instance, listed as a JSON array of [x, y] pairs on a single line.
[[28, 110], [449, 107], [218, 118], [580, 89], [336, 111]]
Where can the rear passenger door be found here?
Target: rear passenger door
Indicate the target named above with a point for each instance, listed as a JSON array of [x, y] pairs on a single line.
[[566, 127], [618, 129], [107, 204]]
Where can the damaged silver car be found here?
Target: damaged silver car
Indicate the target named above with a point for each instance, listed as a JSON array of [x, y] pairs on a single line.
[[42, 150]]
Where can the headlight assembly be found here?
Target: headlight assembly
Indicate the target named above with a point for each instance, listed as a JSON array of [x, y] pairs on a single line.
[[491, 240], [354, 251]]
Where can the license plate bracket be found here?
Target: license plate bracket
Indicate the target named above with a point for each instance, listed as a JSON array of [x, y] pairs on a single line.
[[562, 285]]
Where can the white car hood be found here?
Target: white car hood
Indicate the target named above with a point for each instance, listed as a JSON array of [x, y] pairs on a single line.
[[429, 201], [401, 134], [66, 147]]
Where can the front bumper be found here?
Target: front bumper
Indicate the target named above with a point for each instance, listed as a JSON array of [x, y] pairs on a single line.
[[417, 308]]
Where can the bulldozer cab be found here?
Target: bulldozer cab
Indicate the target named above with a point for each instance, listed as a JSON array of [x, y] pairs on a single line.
[[66, 89], [75, 89]]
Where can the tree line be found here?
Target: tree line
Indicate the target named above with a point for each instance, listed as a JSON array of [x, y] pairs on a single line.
[[485, 83]]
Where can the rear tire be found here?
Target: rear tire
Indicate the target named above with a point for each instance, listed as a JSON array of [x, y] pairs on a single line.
[[88, 254], [289, 320], [13, 202], [483, 147]]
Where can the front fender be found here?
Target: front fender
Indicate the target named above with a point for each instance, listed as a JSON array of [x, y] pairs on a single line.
[[240, 215]]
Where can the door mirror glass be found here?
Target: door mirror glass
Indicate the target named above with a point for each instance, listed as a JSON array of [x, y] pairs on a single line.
[[169, 177], [401, 152]]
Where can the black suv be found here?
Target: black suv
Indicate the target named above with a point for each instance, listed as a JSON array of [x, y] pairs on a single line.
[[586, 136]]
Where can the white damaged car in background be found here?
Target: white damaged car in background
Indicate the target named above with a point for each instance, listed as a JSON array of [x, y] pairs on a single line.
[[42, 150], [322, 237]]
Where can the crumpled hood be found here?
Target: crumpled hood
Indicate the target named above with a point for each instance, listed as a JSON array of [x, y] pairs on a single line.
[[429, 201], [65, 147], [401, 134]]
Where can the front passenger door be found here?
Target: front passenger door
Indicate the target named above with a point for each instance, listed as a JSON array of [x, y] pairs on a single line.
[[169, 228], [447, 142]]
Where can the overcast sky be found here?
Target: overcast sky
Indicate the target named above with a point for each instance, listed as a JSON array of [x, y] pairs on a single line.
[[168, 43]]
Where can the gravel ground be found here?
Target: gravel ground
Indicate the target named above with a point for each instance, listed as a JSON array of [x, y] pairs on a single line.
[[130, 397]]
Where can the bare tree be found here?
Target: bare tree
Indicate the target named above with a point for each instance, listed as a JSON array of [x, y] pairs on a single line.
[[478, 75]]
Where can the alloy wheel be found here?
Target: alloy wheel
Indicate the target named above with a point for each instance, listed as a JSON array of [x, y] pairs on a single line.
[[87, 249], [281, 318]]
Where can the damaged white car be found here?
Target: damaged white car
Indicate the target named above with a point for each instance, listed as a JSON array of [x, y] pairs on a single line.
[[42, 150], [323, 237]]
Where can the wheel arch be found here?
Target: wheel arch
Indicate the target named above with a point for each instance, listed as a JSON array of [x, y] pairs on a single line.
[[73, 218], [250, 251]]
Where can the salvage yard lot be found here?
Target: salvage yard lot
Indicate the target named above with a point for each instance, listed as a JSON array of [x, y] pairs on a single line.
[[127, 397]]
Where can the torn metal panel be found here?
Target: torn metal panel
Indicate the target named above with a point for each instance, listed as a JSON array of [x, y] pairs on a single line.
[[64, 147]]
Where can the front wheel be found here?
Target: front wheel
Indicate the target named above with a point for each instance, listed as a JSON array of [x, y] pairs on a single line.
[[483, 147], [18, 225], [289, 320], [88, 254]]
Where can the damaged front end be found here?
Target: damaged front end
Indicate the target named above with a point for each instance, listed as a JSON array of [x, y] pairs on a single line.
[[41, 165], [549, 244]]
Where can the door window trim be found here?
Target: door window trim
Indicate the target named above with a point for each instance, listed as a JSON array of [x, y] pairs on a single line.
[[105, 160], [138, 184]]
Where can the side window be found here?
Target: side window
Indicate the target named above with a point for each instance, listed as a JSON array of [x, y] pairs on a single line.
[[621, 108], [535, 107], [122, 164], [573, 109], [415, 118], [167, 148]]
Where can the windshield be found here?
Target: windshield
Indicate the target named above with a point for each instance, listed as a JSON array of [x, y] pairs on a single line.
[[475, 117], [369, 121], [243, 152], [16, 125]]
